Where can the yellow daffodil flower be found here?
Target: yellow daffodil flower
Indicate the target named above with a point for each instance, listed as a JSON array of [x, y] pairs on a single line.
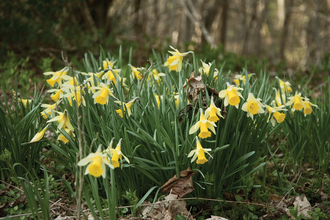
[[136, 73], [278, 97], [63, 120], [199, 153], [47, 112], [158, 99], [206, 69], [25, 102], [308, 106], [274, 114], [102, 95], [242, 78], [231, 95], [126, 106], [73, 95], [112, 75], [39, 135], [213, 112], [62, 138], [285, 86], [156, 75], [57, 76], [116, 154], [203, 125], [253, 106], [97, 162], [58, 94], [107, 64], [175, 62], [297, 101]]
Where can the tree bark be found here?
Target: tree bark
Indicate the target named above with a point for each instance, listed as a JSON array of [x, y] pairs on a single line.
[[284, 37], [224, 19]]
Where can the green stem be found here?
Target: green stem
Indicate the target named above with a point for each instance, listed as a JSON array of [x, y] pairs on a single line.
[[113, 195]]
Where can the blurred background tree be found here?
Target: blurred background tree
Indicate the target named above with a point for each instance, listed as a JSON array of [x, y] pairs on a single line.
[[293, 32]]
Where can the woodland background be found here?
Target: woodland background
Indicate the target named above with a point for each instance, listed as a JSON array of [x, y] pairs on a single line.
[[294, 32]]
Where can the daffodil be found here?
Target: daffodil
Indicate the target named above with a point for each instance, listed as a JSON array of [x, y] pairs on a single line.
[[102, 95], [158, 99], [25, 101], [112, 75], [242, 78], [212, 112], [199, 153], [206, 69], [57, 76], [126, 106], [96, 163], [136, 73], [47, 112], [39, 135], [308, 106], [62, 138], [58, 94], [175, 62], [69, 80], [156, 75], [253, 106], [297, 101], [107, 64], [275, 114], [280, 100], [204, 125], [231, 95], [285, 86], [177, 99], [74, 93], [116, 154], [63, 120]]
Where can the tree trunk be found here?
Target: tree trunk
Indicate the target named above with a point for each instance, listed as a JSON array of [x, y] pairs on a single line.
[[224, 19], [284, 37]]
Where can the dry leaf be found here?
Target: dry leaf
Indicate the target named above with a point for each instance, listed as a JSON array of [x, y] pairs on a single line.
[[180, 186]]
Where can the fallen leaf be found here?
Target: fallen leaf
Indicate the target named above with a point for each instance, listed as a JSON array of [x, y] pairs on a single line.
[[180, 186]]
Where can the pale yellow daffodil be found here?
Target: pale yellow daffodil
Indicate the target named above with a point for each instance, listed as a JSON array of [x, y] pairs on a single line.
[[96, 163], [212, 112], [174, 62], [39, 135], [63, 120], [199, 153], [285, 86], [231, 95], [47, 112], [116, 154], [242, 78], [57, 76], [136, 73], [101, 96], [275, 114], [204, 125], [308, 106], [126, 106], [297, 102], [253, 106], [206, 69]]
